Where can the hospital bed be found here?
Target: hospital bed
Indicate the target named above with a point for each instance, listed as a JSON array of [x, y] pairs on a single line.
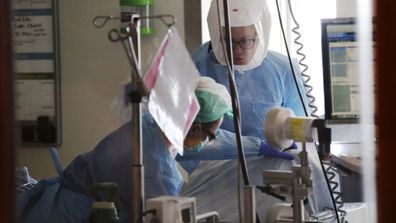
[[214, 185]]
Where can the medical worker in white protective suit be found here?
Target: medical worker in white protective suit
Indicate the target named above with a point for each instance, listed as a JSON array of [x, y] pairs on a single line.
[[263, 80]]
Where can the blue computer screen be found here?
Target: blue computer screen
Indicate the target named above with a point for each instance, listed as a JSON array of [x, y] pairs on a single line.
[[340, 69]]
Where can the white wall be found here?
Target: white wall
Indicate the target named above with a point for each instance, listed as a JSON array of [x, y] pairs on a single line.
[[310, 29], [92, 69], [346, 8]]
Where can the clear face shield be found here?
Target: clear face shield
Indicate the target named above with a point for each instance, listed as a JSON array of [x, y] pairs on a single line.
[[247, 19], [248, 46]]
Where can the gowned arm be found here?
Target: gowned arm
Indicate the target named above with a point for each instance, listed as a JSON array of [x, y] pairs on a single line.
[[224, 147]]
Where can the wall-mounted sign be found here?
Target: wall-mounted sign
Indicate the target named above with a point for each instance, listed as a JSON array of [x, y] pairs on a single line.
[[36, 65]]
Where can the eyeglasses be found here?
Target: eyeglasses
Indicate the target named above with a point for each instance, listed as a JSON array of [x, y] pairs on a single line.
[[245, 43], [210, 136]]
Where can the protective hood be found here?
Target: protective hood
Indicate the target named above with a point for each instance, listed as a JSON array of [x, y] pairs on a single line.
[[241, 13]]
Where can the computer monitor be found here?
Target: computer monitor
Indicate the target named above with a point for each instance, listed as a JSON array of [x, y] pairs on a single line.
[[340, 69]]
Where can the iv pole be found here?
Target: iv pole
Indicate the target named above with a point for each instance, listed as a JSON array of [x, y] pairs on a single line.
[[132, 49], [138, 90], [136, 94]]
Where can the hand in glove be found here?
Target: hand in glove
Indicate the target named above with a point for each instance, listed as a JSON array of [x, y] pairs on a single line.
[[269, 151]]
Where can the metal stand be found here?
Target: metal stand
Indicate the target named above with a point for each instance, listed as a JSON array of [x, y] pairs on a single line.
[[131, 44], [298, 180]]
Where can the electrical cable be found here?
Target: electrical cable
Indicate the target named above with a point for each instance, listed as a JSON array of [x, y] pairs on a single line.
[[289, 58], [328, 167], [225, 39], [222, 39], [230, 71], [334, 185], [234, 93], [331, 183], [307, 78], [336, 196]]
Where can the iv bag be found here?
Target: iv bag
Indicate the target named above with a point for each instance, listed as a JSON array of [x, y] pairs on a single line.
[[172, 79]]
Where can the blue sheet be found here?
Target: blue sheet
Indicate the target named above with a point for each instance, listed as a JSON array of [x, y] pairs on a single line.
[[214, 185]]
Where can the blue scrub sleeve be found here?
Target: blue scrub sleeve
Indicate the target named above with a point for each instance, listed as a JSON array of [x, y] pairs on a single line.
[[224, 147]]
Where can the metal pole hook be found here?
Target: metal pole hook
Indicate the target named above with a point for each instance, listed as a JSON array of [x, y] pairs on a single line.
[[100, 21], [164, 18]]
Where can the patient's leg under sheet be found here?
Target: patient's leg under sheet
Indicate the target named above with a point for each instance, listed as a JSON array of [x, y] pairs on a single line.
[[214, 184]]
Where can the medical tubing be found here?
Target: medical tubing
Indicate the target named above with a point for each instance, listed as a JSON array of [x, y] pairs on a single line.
[[307, 78], [224, 35], [222, 39], [234, 94], [290, 62], [227, 50]]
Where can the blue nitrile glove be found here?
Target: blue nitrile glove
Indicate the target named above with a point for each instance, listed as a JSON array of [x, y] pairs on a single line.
[[268, 151]]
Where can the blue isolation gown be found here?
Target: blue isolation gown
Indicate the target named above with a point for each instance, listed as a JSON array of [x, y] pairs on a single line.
[[268, 85], [111, 159], [67, 198]]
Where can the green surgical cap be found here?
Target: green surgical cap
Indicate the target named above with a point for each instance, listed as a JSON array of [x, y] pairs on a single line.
[[213, 99]]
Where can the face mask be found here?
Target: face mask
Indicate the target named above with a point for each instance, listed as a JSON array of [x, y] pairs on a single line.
[[196, 148]]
